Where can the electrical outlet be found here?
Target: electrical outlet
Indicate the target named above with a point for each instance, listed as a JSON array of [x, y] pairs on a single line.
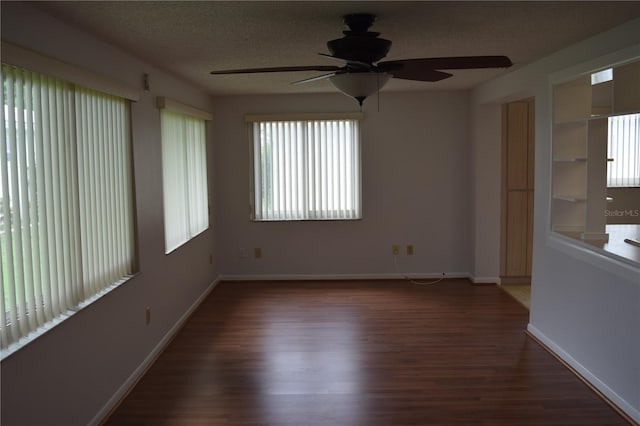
[[243, 253], [147, 315], [395, 249], [410, 249], [258, 252]]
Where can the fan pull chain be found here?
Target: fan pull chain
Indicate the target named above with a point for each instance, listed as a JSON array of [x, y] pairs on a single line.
[[378, 78]]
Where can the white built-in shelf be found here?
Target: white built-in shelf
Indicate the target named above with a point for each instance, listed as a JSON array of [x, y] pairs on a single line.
[[590, 118], [572, 100], [573, 120], [570, 159], [581, 112], [570, 198]]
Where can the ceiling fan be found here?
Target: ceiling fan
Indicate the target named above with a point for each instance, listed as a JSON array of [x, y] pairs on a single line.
[[361, 74]]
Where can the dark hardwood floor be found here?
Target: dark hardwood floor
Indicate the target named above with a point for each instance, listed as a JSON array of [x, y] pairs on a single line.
[[359, 353]]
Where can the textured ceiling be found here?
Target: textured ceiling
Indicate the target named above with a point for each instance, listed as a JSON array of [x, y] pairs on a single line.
[[190, 39]]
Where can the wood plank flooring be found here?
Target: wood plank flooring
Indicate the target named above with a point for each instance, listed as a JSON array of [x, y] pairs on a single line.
[[359, 353]]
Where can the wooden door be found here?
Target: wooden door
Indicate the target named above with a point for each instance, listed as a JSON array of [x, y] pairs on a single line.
[[518, 186]]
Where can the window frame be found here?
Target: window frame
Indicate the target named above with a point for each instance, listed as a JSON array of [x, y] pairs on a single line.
[[571, 243], [186, 112], [623, 143], [86, 289], [308, 214]]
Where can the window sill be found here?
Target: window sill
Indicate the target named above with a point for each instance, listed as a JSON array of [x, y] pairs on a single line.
[[624, 264], [307, 220], [31, 337]]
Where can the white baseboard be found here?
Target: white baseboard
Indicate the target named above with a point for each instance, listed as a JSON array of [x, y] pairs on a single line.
[[485, 280], [150, 359], [333, 277], [593, 380]]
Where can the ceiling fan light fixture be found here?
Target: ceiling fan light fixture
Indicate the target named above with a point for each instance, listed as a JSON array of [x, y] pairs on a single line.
[[360, 85]]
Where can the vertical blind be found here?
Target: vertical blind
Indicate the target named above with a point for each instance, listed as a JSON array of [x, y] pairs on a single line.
[[66, 223], [184, 172], [624, 151], [306, 170]]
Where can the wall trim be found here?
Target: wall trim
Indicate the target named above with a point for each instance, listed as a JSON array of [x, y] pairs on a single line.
[[144, 366], [618, 403], [252, 118], [184, 109], [28, 59], [485, 280], [330, 277]]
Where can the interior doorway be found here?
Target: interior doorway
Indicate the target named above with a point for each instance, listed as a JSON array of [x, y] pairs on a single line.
[[518, 153]]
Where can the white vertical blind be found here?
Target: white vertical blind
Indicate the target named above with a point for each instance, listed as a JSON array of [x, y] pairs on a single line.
[[184, 173], [624, 151], [66, 227], [104, 156], [306, 170]]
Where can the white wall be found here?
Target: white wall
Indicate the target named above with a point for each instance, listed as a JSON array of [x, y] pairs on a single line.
[[584, 306], [67, 376], [415, 174], [486, 164]]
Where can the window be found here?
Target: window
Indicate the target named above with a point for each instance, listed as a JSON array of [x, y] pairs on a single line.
[[624, 151], [184, 176], [66, 213], [306, 169]]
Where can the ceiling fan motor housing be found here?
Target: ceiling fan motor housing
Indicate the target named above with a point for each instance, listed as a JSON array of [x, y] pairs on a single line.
[[359, 44], [363, 48]]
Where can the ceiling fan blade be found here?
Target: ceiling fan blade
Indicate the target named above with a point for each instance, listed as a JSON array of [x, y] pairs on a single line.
[[278, 69], [453, 62], [425, 69], [309, 80], [412, 71], [356, 64]]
